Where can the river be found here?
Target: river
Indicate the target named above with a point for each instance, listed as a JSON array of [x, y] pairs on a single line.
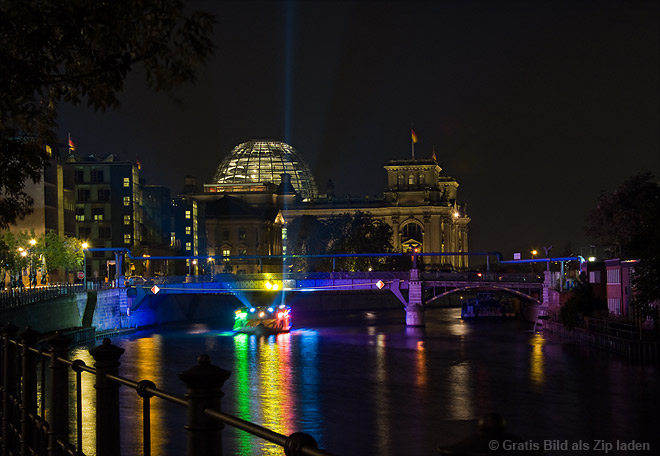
[[364, 384]]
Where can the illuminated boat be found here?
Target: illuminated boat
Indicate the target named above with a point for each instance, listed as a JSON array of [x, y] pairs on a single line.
[[486, 305], [263, 320]]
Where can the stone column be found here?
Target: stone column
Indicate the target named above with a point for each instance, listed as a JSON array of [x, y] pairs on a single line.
[[107, 356], [204, 390], [415, 306], [58, 394]]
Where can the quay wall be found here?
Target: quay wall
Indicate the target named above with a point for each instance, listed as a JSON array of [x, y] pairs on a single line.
[[47, 316], [113, 310], [637, 350]]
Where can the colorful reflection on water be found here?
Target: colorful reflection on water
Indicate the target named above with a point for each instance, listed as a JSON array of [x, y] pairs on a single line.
[[272, 390], [383, 389]]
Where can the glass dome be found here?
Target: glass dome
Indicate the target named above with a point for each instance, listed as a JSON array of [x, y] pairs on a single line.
[[257, 162]]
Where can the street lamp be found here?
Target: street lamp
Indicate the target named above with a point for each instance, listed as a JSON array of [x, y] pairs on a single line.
[[84, 247]]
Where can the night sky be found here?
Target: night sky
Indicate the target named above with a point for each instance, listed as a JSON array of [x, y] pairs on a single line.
[[534, 107]]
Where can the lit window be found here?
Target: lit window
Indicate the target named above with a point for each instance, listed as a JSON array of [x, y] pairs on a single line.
[[127, 219], [187, 214], [411, 179], [226, 253], [97, 213], [188, 230], [127, 238], [127, 200], [242, 252], [188, 245], [127, 181]]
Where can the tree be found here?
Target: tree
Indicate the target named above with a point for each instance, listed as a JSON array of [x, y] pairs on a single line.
[[582, 303], [630, 219], [81, 52], [340, 234]]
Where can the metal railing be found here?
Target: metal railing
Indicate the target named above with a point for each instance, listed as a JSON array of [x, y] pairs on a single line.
[[25, 430], [21, 296]]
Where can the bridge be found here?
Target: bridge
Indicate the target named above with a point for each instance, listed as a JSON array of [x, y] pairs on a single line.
[[409, 287]]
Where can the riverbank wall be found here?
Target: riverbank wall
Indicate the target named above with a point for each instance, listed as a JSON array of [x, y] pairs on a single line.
[[636, 350], [86, 315]]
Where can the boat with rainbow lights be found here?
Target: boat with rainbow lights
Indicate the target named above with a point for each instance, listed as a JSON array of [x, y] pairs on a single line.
[[262, 320]]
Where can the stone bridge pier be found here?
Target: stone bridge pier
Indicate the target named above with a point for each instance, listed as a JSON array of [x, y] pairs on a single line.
[[414, 305]]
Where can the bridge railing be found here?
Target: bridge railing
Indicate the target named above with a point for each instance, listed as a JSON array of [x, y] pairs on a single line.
[[481, 276], [22, 296], [26, 396]]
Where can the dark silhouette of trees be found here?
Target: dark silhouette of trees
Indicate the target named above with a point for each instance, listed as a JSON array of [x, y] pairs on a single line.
[[340, 234], [630, 219], [81, 52]]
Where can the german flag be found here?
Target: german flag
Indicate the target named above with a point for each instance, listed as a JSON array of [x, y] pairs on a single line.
[[413, 135]]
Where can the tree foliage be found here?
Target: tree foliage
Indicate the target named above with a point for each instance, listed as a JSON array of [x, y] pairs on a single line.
[[630, 218], [340, 234], [81, 51], [48, 252], [582, 303]]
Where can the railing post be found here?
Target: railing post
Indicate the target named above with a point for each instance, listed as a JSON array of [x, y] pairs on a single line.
[[107, 356], [58, 394], [29, 389], [204, 390], [9, 384]]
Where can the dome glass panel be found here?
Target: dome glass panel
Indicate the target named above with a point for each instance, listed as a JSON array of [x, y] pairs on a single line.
[[259, 162]]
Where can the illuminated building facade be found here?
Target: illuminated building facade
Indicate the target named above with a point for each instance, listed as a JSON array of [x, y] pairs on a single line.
[[54, 199], [274, 186], [108, 209], [420, 205]]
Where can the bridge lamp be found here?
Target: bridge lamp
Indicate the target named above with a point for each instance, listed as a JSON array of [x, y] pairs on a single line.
[[456, 214], [269, 285]]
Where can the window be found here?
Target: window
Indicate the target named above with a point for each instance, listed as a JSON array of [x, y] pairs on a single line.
[[84, 232], [188, 245], [225, 235], [188, 230], [105, 232], [411, 179], [242, 234], [80, 214], [79, 175], [97, 213], [127, 219], [97, 175], [127, 238], [421, 179], [411, 231], [127, 181], [83, 194], [613, 276], [127, 200], [226, 253], [172, 238], [104, 195], [187, 214], [242, 252]]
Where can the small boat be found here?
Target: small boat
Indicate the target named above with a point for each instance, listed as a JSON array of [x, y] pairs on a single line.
[[262, 321], [487, 305]]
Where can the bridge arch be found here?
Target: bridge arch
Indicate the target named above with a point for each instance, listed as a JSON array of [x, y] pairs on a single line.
[[477, 288]]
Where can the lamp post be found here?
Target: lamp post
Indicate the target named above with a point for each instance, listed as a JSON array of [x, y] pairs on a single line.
[[33, 274], [84, 247]]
